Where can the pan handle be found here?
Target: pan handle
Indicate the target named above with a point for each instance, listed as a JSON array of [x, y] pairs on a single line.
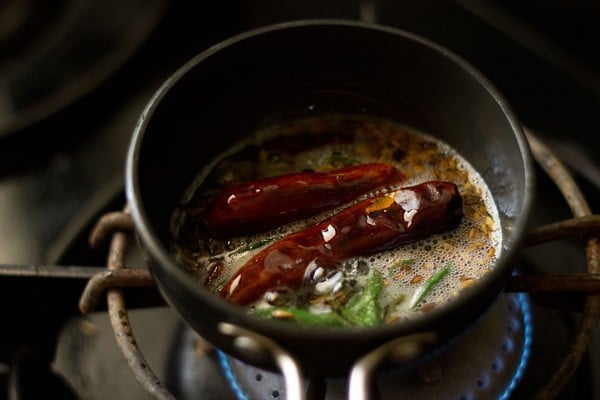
[[404, 349], [261, 346], [361, 386]]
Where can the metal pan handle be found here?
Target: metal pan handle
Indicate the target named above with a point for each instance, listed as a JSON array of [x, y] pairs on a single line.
[[260, 346], [401, 350]]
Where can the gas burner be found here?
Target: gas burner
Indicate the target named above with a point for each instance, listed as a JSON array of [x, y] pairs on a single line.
[[484, 363]]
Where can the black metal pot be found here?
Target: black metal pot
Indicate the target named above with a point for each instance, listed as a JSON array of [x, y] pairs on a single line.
[[277, 72]]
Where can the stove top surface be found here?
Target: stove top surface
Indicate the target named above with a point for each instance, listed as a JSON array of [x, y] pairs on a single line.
[[58, 174]]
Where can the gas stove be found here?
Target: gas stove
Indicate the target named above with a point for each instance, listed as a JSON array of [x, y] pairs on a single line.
[[61, 170]]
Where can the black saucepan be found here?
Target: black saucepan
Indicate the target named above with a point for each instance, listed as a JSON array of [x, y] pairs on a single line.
[[303, 68]]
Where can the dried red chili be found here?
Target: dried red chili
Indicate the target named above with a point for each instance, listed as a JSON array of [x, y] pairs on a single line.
[[368, 227], [261, 205]]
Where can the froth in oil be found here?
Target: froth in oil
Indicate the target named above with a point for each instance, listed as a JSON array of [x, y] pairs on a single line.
[[470, 250]]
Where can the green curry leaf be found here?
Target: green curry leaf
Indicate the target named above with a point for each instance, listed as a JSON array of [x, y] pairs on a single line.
[[364, 308], [428, 286]]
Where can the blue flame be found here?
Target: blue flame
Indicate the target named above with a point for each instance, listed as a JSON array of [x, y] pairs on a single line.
[[527, 333], [239, 394]]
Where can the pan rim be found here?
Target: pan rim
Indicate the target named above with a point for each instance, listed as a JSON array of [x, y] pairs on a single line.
[[237, 314]]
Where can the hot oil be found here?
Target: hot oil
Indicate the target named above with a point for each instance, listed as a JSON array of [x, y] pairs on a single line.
[[333, 141]]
